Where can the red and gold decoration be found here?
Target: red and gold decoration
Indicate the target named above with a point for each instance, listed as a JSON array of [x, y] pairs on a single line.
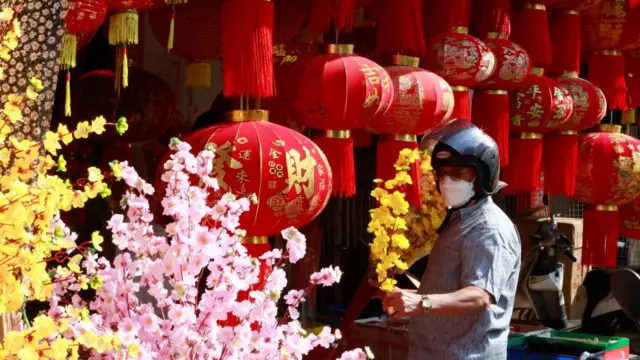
[[197, 36], [340, 92], [630, 219], [632, 70], [123, 31], [538, 107], [84, 17], [463, 61], [608, 176], [490, 107], [530, 29], [422, 101], [561, 146]]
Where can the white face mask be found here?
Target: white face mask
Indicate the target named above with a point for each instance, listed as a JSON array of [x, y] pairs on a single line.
[[455, 192]]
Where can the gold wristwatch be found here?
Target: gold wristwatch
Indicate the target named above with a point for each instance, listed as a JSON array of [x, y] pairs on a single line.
[[426, 304]]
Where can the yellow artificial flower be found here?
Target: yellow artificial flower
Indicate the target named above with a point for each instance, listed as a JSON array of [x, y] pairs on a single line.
[[95, 174], [74, 263], [51, 142], [96, 240], [13, 112], [65, 134], [83, 130], [98, 125], [396, 202]]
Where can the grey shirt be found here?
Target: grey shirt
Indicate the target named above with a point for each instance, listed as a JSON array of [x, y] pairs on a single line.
[[480, 247]]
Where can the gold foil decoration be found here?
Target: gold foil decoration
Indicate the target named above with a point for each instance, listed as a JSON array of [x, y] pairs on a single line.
[[611, 52], [345, 49], [338, 134], [570, 74], [460, 30], [568, 132], [248, 115], [535, 7], [496, 35], [405, 137], [404, 60], [459, 88], [537, 71]]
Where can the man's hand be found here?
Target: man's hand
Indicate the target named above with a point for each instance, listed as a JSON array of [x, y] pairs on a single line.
[[402, 303]]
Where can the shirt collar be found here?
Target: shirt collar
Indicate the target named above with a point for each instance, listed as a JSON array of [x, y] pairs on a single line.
[[466, 211]]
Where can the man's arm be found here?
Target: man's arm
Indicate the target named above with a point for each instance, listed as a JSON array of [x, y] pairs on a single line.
[[468, 301]]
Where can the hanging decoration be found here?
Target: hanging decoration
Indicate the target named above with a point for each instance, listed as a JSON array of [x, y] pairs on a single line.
[[538, 107], [630, 219], [608, 176], [196, 36], [84, 17], [530, 29], [123, 31], [632, 73], [565, 30], [340, 92], [491, 17]]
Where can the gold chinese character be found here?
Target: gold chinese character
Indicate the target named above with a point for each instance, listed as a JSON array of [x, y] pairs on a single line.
[[371, 74], [535, 112], [222, 159], [275, 154], [245, 154], [372, 98], [534, 91], [242, 177], [272, 184], [278, 142], [276, 169], [301, 172], [518, 102]]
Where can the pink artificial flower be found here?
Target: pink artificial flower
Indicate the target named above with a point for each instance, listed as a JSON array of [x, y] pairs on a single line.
[[355, 354], [327, 276]]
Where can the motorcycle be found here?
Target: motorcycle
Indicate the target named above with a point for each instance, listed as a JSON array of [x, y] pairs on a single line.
[[539, 296]]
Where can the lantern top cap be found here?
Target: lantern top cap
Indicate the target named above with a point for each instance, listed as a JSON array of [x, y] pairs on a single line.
[[460, 30], [248, 115], [496, 35], [533, 6], [570, 74], [538, 71], [610, 128], [404, 60], [346, 49]]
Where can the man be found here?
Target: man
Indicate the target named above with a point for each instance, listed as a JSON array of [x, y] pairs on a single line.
[[464, 304]]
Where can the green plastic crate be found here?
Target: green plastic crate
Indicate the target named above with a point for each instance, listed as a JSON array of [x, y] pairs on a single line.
[[582, 341]]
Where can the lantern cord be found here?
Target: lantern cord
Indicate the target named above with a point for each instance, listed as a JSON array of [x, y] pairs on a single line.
[[560, 160], [600, 245], [490, 112], [339, 153], [67, 96], [607, 71], [388, 150], [520, 178]]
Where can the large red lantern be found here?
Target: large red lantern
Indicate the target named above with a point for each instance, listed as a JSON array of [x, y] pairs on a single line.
[[538, 107], [148, 105], [340, 92], [490, 107], [561, 146], [287, 171], [608, 175], [196, 36], [463, 61]]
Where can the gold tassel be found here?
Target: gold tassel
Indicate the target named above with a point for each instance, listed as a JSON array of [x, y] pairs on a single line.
[[628, 117], [171, 31], [118, 75], [125, 68], [67, 98], [198, 75], [123, 28], [68, 53]]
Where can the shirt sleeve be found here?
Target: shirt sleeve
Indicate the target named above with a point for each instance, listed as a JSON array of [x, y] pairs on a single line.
[[486, 262]]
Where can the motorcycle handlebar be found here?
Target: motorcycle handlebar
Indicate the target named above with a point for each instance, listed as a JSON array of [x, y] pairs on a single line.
[[569, 254]]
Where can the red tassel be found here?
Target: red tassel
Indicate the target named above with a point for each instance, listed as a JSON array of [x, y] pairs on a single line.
[[339, 153], [606, 71], [560, 160], [346, 10], [521, 178], [565, 32], [490, 112], [462, 107], [443, 16], [321, 15], [247, 48], [530, 30], [387, 154], [491, 16], [399, 26], [600, 245]]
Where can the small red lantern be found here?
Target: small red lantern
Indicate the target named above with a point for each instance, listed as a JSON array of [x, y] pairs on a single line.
[[608, 175], [195, 36], [630, 219], [561, 146], [490, 107], [463, 61], [538, 107], [287, 171], [340, 92]]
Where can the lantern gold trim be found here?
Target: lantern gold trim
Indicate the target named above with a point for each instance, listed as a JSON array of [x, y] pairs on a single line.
[[345, 49], [568, 132], [530, 136], [535, 7], [459, 88], [404, 60], [496, 92], [248, 115], [460, 30], [255, 240], [611, 52], [570, 74], [405, 137], [538, 71], [496, 35], [610, 128], [606, 207], [571, 12], [338, 134]]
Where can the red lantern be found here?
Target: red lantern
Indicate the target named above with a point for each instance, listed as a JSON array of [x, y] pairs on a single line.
[[607, 176], [561, 147], [630, 219], [463, 61], [287, 171], [491, 101], [195, 36], [422, 101], [530, 29], [538, 107], [148, 106], [340, 92]]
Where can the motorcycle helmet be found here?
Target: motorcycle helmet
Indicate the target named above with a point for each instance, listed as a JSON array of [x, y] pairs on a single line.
[[460, 143]]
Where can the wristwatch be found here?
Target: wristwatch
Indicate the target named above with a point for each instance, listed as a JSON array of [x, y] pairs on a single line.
[[426, 304]]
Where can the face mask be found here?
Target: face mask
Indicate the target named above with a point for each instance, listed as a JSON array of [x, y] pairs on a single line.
[[455, 192]]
